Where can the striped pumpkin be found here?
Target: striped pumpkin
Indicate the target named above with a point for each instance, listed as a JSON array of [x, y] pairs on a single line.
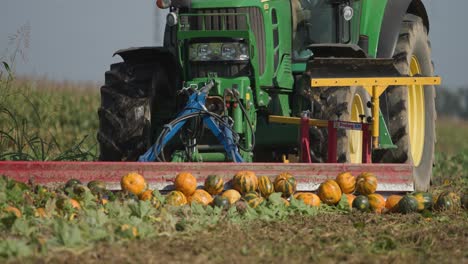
[[256, 202], [286, 184], [176, 198], [366, 183], [245, 181], [377, 202], [214, 184], [251, 196], [201, 197], [392, 202], [329, 192], [265, 186], [232, 195]]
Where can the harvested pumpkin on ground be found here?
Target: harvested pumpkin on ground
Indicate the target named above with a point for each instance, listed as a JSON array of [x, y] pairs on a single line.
[[232, 195], [134, 183], [221, 201], [308, 198], [329, 192], [286, 184], [347, 182], [376, 202], [146, 195], [201, 197], [408, 204], [176, 198], [392, 202], [265, 186], [366, 183], [186, 183], [425, 200], [350, 198], [214, 184], [245, 181], [446, 201], [361, 203]]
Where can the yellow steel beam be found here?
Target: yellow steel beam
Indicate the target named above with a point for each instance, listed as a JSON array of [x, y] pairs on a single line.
[[387, 81], [296, 121]]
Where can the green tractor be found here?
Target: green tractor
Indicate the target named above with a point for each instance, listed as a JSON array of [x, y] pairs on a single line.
[[226, 67]]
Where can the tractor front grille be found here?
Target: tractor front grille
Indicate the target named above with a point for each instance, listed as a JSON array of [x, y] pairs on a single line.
[[215, 22]]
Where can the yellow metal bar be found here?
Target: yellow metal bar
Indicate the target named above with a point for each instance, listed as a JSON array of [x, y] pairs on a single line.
[[296, 121], [375, 114], [386, 81]]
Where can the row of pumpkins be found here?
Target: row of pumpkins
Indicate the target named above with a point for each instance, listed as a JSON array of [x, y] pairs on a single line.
[[254, 190]]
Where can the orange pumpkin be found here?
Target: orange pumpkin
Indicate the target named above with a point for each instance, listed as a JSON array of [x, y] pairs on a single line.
[[146, 195], [232, 195], [186, 183], [265, 186], [308, 198], [351, 198], [366, 183], [245, 181], [75, 204], [13, 210], [134, 183], [329, 192], [392, 202], [176, 198], [347, 182], [376, 202], [286, 184], [201, 197]]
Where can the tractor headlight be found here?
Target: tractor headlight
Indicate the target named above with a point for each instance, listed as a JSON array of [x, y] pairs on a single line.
[[223, 51]]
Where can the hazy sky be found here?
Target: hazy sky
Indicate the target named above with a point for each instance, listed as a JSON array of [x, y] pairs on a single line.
[[75, 39]]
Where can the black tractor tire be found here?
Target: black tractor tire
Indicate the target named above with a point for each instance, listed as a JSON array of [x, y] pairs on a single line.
[[413, 41], [334, 103], [126, 115]]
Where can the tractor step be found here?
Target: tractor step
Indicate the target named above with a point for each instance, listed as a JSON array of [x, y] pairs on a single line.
[[392, 177]]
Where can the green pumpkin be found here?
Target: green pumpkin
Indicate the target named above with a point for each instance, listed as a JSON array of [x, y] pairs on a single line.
[[220, 201], [286, 184], [214, 184], [425, 200], [446, 201], [408, 204], [72, 182], [251, 196], [361, 203], [96, 186], [265, 186]]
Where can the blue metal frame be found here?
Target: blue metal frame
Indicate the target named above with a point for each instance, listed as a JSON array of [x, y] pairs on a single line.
[[196, 104]]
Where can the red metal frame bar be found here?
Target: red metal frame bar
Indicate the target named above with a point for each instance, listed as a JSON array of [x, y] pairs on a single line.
[[332, 142], [305, 140], [366, 144], [392, 177]]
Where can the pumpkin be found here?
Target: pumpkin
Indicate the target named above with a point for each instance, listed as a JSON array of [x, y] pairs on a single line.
[[134, 183], [221, 201], [392, 202], [245, 181], [146, 195], [407, 204], [424, 200], [214, 184], [366, 183], [446, 201], [376, 202], [255, 202], [201, 197], [232, 195], [72, 182], [250, 196], [361, 203], [13, 210], [286, 184], [308, 198], [347, 182], [329, 192], [185, 183], [96, 186], [176, 198], [265, 186], [64, 202], [350, 198]]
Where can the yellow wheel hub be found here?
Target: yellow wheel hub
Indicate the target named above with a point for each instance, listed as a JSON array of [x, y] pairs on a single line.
[[355, 136], [416, 114]]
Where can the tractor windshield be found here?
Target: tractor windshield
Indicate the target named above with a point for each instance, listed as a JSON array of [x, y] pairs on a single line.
[[317, 21]]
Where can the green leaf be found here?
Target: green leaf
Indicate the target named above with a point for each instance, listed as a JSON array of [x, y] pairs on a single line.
[[343, 205]]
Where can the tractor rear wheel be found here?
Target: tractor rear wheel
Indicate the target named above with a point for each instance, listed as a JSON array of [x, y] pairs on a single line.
[[347, 104], [410, 111], [126, 115]]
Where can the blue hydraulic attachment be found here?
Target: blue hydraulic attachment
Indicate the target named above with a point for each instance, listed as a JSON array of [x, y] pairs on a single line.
[[196, 104]]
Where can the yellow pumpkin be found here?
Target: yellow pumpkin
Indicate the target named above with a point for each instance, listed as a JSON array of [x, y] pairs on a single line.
[[186, 183], [366, 183], [232, 195], [376, 202], [329, 192], [392, 202], [176, 198], [201, 197], [347, 182], [265, 187]]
